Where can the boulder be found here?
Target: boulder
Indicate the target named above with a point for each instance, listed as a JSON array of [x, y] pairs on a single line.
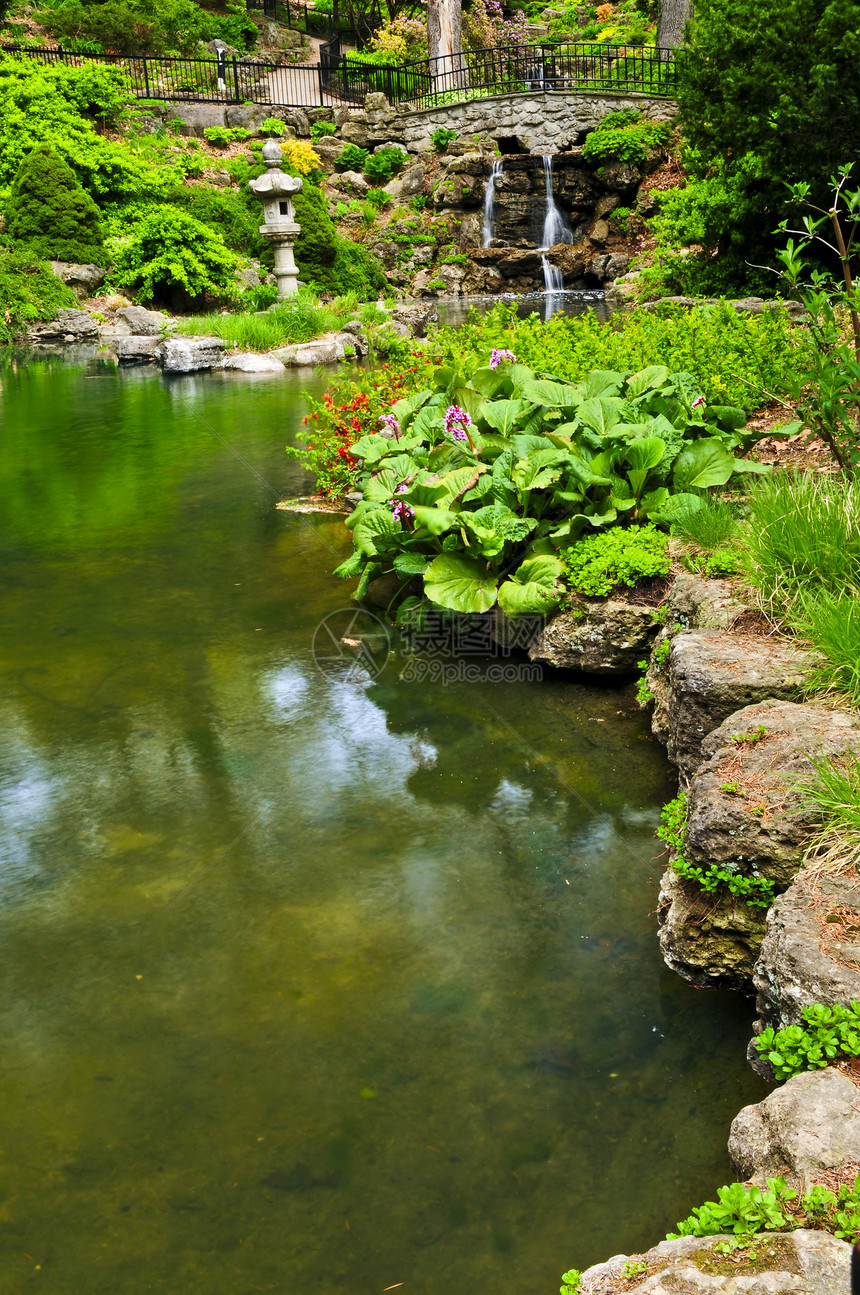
[[69, 326], [376, 102], [744, 811], [82, 279], [143, 323], [781, 1263], [809, 1125], [621, 177], [811, 952], [608, 266], [409, 184], [570, 258], [415, 315], [598, 232], [325, 350], [711, 940], [353, 180], [243, 362], [711, 673], [246, 115], [745, 815], [136, 350], [328, 150], [189, 354], [354, 132], [603, 638]]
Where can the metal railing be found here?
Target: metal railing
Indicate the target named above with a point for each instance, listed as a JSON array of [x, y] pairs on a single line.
[[456, 78], [298, 16], [512, 69]]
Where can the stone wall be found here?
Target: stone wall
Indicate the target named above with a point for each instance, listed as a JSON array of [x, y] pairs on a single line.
[[547, 122]]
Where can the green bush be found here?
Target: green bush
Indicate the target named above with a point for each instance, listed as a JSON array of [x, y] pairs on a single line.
[[325, 260], [64, 109], [172, 257], [28, 291], [221, 136], [321, 129], [827, 1033], [234, 213], [626, 137], [352, 158], [49, 211], [597, 564], [380, 166], [766, 100], [148, 26], [441, 138], [273, 126], [733, 359]]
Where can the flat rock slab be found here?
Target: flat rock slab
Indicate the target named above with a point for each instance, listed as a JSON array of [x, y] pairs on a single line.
[[325, 350], [246, 363], [136, 350], [810, 1124], [70, 325], [811, 952], [712, 673], [782, 1263], [604, 638], [189, 354]]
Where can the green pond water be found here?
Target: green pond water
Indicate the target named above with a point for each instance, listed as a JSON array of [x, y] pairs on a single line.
[[312, 982]]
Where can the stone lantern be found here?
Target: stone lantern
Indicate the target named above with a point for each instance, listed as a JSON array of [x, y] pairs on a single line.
[[275, 189]]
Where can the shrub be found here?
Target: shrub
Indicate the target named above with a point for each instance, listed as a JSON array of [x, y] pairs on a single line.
[[61, 107], [352, 158], [221, 136], [598, 563], [28, 291], [733, 359], [625, 136], [49, 210], [172, 257], [827, 1033], [148, 26], [441, 138], [320, 129], [234, 213], [272, 126], [300, 157], [380, 166], [327, 261]]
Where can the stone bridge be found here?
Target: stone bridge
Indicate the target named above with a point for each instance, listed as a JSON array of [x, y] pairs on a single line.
[[550, 121]]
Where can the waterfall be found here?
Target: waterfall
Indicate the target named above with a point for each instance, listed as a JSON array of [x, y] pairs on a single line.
[[555, 230], [555, 227], [490, 203]]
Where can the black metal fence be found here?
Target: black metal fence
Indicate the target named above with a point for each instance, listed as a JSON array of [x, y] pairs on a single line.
[[512, 69], [313, 22], [345, 78]]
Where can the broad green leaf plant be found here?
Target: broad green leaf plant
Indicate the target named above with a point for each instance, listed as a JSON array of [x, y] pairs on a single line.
[[473, 487]]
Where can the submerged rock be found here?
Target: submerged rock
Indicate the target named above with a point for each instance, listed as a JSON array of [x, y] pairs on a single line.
[[136, 350], [793, 1263], [810, 1124], [597, 637]]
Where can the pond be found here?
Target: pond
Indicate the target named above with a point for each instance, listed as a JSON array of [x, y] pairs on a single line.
[[316, 979], [455, 310]]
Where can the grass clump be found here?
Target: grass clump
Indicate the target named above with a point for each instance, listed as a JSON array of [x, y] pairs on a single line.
[[804, 533], [599, 563], [833, 789], [831, 622], [709, 526], [299, 320]]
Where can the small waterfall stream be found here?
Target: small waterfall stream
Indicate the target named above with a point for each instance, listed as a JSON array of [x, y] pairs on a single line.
[[555, 230], [490, 204]]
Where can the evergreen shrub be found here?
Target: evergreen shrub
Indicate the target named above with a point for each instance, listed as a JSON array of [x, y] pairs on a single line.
[[49, 211]]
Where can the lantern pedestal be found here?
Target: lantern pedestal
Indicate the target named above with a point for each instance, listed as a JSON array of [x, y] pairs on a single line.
[[275, 190]]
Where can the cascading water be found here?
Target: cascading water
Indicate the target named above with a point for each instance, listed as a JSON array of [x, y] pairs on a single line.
[[490, 204], [555, 230]]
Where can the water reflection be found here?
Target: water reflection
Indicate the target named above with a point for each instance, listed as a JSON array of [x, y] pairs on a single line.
[[455, 310], [311, 983]]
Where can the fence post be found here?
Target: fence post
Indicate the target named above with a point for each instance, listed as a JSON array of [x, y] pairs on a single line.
[[236, 79], [145, 78]]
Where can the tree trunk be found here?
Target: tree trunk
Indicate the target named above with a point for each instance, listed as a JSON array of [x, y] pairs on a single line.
[[444, 37], [674, 15]]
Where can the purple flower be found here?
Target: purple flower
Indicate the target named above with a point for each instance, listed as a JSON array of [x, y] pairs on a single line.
[[389, 421], [401, 509], [456, 422], [497, 357]]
